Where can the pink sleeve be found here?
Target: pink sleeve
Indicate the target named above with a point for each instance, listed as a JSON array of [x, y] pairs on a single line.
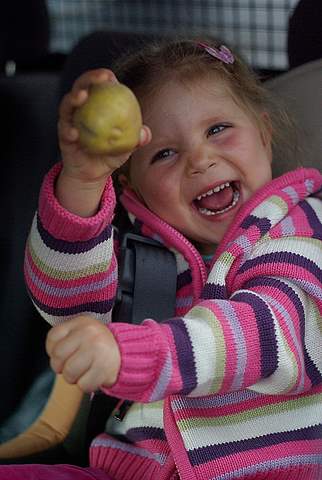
[[70, 265]]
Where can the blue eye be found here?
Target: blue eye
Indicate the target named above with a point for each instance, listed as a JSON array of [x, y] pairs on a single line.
[[216, 129], [162, 154]]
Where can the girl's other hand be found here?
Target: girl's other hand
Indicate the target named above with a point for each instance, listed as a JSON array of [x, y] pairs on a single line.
[[85, 352]]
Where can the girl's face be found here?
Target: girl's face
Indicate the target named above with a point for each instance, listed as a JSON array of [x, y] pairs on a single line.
[[205, 160]]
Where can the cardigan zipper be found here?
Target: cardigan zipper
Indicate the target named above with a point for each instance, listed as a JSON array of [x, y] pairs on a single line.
[[178, 241]]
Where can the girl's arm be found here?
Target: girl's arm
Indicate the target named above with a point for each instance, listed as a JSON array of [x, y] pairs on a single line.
[[70, 266], [266, 337]]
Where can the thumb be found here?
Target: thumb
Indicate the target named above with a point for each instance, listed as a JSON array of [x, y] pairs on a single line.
[[145, 136]]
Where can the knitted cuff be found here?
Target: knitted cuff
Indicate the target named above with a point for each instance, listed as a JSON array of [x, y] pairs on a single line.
[[61, 223], [142, 358]]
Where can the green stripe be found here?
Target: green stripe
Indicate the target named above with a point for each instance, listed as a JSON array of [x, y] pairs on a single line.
[[226, 259], [279, 202], [273, 409], [218, 335], [63, 274]]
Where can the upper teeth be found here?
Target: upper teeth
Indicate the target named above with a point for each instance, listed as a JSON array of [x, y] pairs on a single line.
[[214, 190]]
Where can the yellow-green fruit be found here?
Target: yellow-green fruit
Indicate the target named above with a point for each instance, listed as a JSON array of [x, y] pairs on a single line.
[[110, 120]]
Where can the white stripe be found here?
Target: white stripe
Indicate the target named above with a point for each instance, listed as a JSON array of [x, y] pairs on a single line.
[[274, 208], [70, 262], [139, 415], [220, 269], [316, 205], [308, 248], [204, 347], [286, 421], [57, 320], [313, 334], [182, 264], [286, 372]]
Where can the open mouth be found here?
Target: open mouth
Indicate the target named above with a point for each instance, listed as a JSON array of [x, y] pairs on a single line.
[[218, 200]]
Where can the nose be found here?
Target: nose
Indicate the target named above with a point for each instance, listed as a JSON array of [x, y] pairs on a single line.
[[200, 159]]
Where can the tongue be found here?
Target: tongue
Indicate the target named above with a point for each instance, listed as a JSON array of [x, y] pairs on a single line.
[[217, 201]]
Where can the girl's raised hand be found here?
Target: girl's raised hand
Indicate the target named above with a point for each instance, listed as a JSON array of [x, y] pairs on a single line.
[[85, 352], [83, 177], [78, 163]]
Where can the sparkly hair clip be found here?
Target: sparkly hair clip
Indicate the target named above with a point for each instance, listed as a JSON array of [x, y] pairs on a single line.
[[222, 53]]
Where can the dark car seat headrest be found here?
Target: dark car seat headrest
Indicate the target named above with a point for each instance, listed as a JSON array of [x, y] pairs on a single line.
[[24, 33], [304, 39], [96, 50]]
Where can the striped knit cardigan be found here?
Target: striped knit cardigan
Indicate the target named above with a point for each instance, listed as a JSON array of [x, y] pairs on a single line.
[[230, 388]]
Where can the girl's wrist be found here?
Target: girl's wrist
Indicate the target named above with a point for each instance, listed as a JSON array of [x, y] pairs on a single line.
[[79, 196]]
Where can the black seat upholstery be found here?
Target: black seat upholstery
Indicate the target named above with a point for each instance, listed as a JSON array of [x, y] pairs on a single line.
[[28, 144], [96, 50], [304, 35]]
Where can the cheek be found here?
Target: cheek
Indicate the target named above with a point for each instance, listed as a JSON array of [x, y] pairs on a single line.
[[154, 188], [160, 190]]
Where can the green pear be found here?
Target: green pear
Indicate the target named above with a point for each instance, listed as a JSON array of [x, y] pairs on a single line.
[[110, 120]]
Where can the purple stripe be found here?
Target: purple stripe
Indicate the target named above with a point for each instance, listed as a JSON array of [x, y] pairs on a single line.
[[266, 331], [185, 354], [213, 291], [313, 220], [145, 433], [73, 247], [284, 257], [311, 370], [202, 455], [275, 283], [184, 279], [263, 224], [96, 307]]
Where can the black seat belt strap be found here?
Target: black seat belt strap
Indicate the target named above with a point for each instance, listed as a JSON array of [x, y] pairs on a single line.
[[146, 289], [147, 281]]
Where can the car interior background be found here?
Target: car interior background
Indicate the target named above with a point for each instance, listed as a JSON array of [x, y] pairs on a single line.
[[42, 51]]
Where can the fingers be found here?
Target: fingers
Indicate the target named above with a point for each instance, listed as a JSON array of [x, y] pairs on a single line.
[[63, 340], [63, 349], [55, 335], [145, 136], [90, 77], [85, 352], [92, 379], [76, 366], [76, 97], [67, 132]]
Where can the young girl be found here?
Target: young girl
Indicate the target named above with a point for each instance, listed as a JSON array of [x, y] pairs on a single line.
[[230, 387]]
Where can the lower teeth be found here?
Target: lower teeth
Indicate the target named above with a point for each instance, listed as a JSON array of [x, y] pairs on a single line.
[[205, 211]]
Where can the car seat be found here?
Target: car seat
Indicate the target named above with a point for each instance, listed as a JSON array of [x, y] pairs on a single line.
[[304, 33], [300, 91], [28, 142], [29, 147]]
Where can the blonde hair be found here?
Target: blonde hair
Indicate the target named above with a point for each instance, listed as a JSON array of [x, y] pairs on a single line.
[[182, 59]]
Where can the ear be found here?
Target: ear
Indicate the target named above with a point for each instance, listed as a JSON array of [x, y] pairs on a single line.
[[267, 133], [123, 181], [267, 130]]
